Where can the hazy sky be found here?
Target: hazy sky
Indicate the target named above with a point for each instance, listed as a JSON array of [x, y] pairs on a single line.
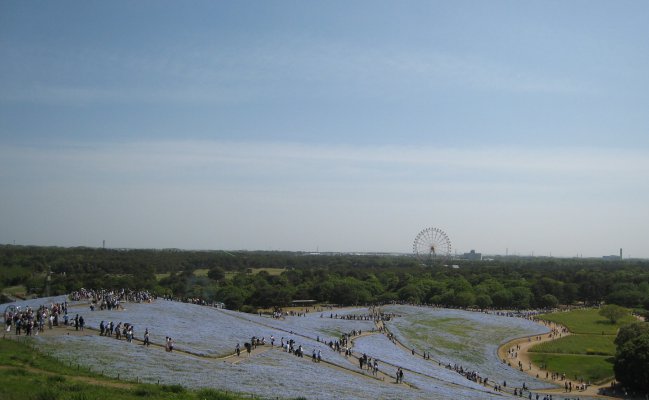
[[326, 125]]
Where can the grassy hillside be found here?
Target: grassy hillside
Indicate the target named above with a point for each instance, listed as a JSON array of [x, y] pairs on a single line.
[[26, 374]]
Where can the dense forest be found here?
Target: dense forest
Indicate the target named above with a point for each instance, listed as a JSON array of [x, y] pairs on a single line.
[[247, 280]]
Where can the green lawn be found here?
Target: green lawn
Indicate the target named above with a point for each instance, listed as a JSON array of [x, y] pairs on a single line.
[[579, 344], [590, 368], [587, 354], [587, 321]]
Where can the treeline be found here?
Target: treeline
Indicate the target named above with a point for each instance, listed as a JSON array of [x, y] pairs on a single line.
[[235, 277]]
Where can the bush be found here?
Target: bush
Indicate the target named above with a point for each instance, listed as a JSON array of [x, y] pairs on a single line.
[[55, 379], [47, 394], [16, 372], [211, 394], [248, 309], [144, 391], [173, 388]]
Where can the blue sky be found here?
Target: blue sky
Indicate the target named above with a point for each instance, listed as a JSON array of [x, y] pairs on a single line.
[[338, 126]]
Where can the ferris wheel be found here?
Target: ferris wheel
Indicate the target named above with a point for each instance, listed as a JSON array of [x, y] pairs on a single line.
[[432, 246]]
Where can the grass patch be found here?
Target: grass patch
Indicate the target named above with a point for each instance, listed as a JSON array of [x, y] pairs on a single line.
[[590, 368], [458, 336], [271, 271], [587, 321], [588, 353], [14, 290], [201, 272], [160, 277], [329, 333], [578, 344]]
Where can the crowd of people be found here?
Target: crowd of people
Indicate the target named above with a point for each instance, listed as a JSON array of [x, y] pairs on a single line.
[[373, 315], [108, 299], [121, 330], [30, 321]]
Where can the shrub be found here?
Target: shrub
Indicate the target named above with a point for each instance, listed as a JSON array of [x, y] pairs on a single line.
[[173, 388], [143, 391], [16, 372], [211, 394], [47, 394], [55, 379], [248, 309]]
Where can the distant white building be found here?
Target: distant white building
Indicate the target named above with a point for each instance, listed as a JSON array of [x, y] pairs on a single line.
[[472, 255]]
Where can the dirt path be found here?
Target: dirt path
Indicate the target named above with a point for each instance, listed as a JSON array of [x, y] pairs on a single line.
[[518, 350]]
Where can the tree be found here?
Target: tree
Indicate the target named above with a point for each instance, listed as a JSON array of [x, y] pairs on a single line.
[[631, 360], [465, 299], [521, 297], [626, 298], [502, 298], [233, 297], [613, 312], [349, 291], [633, 330], [549, 301], [216, 274], [448, 298], [570, 292], [483, 301], [411, 293]]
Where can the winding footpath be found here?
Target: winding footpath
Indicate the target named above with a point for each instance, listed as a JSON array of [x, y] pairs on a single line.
[[520, 348]]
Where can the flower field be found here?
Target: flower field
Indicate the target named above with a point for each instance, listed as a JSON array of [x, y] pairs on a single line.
[[205, 339], [469, 339]]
